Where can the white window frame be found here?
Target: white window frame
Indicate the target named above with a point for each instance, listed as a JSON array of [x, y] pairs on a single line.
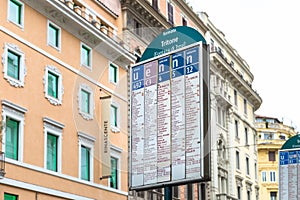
[[114, 128], [272, 176], [54, 128], [87, 116], [264, 176], [116, 153], [59, 35], [167, 11], [60, 92], [82, 62], [22, 68], [89, 142], [111, 79], [21, 25], [17, 113]]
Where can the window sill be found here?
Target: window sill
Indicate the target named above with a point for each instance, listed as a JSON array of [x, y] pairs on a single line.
[[114, 129]]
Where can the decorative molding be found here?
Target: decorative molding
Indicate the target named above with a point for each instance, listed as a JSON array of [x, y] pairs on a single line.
[[13, 108], [50, 123], [22, 73], [55, 101], [85, 138]]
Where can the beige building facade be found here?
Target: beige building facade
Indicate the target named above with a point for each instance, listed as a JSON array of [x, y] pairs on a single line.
[[63, 100], [272, 134]]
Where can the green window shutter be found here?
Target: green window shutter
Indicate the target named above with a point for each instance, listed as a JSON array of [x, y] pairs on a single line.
[[113, 116], [15, 11], [13, 65], [52, 152], [85, 101], [114, 172], [85, 163], [52, 85], [12, 138], [10, 197], [53, 35], [85, 55]]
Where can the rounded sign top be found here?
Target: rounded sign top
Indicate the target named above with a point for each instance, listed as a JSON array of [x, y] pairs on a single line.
[[170, 40], [292, 143]]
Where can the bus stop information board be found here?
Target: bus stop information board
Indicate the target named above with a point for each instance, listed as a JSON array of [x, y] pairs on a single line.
[[289, 169], [167, 114]]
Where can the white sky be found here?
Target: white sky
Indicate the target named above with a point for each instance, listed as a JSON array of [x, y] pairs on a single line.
[[266, 34]]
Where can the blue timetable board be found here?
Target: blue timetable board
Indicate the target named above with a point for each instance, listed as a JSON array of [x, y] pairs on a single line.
[[166, 119]]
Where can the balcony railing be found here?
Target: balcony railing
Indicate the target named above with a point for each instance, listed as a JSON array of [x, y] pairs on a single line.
[[93, 18]]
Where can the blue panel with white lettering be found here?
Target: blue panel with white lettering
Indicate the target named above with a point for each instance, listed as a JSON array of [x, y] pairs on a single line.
[[192, 69], [177, 72], [192, 56], [293, 157], [178, 60], [138, 77], [164, 69], [284, 158]]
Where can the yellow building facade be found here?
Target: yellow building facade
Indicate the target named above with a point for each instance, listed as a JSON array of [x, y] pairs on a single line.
[[63, 100], [272, 134]]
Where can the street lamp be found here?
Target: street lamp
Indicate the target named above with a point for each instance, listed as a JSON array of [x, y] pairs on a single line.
[[2, 164]]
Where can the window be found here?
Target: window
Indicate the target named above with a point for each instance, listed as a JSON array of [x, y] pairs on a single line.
[[155, 4], [86, 102], [53, 35], [272, 156], [86, 56], [184, 21], [246, 137], [114, 115], [247, 166], [248, 195], [273, 195], [113, 73], [10, 196], [16, 12], [85, 163], [237, 157], [255, 170], [53, 85], [236, 125], [175, 192], [235, 98], [13, 130], [245, 106], [86, 155], [52, 140], [14, 66], [238, 192], [114, 172], [115, 161], [273, 176], [268, 136], [263, 176], [137, 28], [170, 13], [12, 138]]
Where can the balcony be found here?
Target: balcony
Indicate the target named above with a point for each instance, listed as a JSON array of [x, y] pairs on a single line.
[[236, 78], [87, 26], [224, 196], [222, 96]]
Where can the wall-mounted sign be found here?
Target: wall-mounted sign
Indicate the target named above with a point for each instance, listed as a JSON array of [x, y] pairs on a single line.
[[289, 169]]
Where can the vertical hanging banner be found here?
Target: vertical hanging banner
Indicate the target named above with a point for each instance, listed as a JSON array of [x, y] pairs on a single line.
[[289, 169], [166, 111], [105, 123]]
